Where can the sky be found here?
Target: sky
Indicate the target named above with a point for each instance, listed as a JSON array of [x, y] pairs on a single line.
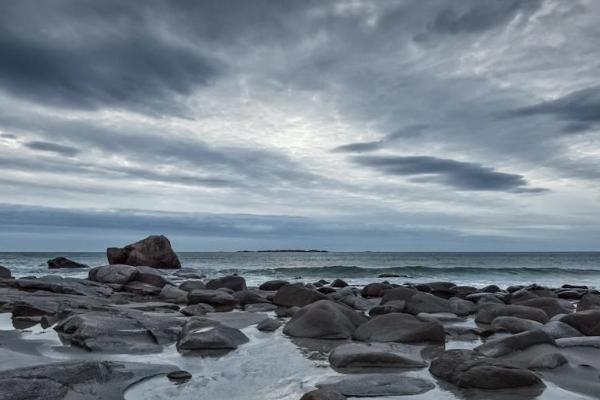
[[389, 125]]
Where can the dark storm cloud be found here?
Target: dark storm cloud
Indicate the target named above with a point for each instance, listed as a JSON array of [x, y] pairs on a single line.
[[477, 16], [457, 174], [63, 150], [582, 108], [132, 65], [364, 147]]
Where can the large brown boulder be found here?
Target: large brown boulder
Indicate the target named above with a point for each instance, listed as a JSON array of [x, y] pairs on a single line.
[[153, 251]]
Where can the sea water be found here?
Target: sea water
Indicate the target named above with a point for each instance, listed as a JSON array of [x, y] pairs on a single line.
[[476, 269]]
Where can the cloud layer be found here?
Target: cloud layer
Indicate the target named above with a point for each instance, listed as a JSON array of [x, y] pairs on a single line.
[[341, 124]]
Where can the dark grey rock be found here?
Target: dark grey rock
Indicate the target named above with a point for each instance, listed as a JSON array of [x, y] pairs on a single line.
[[153, 251], [324, 319], [520, 341], [551, 306], [558, 329], [216, 298], [204, 334], [268, 325], [548, 361], [583, 341], [273, 285], [81, 380], [399, 293], [141, 288], [488, 312], [586, 322], [198, 309], [376, 289], [151, 276], [116, 274], [373, 355], [296, 295], [245, 297], [173, 294], [377, 385], [179, 376], [5, 273], [589, 302], [321, 394], [233, 282], [63, 262], [400, 327], [467, 369], [188, 286], [260, 307], [61, 285], [339, 283], [514, 324]]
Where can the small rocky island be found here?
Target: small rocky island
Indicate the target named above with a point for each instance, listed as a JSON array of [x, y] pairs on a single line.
[[379, 340]]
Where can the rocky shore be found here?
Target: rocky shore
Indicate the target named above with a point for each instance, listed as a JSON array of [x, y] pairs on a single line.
[[380, 340]]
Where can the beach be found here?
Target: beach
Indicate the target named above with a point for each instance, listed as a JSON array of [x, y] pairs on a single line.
[[139, 332]]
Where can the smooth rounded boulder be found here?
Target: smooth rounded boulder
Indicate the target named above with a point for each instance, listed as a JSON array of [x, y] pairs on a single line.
[[514, 324], [153, 251], [268, 325], [488, 312], [204, 334], [586, 322], [373, 355], [467, 369], [400, 327], [322, 394], [324, 319], [233, 282], [5, 273], [273, 285], [508, 344], [297, 296], [119, 274]]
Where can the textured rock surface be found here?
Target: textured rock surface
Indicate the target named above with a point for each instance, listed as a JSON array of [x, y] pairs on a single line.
[[377, 385], [324, 319], [153, 251], [400, 327], [373, 355]]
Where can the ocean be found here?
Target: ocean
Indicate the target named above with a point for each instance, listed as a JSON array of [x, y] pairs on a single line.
[[476, 269]]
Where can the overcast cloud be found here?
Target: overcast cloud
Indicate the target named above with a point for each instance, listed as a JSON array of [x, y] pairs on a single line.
[[346, 125]]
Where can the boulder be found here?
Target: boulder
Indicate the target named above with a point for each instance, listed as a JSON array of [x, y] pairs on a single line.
[[461, 307], [372, 355], [233, 282], [273, 285], [296, 295], [83, 380], [322, 394], [188, 286], [324, 319], [59, 284], [63, 262], [5, 273], [338, 283], [589, 301], [153, 251], [245, 297], [268, 325], [141, 288], [173, 294], [260, 307], [514, 324], [583, 341], [490, 289], [204, 334], [551, 306], [179, 376], [389, 307], [467, 369], [197, 310], [377, 385], [399, 293], [375, 289], [488, 312], [463, 291], [558, 329], [151, 276], [548, 361], [587, 322], [400, 327], [216, 298], [508, 344], [116, 274]]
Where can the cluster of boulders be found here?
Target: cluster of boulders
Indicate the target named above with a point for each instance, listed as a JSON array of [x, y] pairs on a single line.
[[125, 307]]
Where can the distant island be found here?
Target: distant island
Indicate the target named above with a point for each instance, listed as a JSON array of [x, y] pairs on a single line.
[[282, 251]]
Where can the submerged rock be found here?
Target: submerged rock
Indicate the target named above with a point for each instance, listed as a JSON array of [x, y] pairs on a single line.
[[153, 251], [63, 262], [82, 380], [373, 355], [322, 394], [179, 376], [324, 319], [377, 385], [467, 369], [400, 327], [268, 325]]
